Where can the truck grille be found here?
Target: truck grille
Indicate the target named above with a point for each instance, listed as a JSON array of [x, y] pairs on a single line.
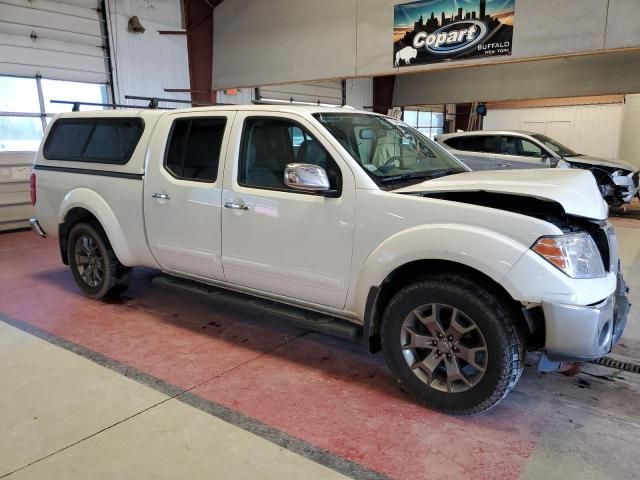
[[613, 248], [636, 179], [607, 243], [601, 238]]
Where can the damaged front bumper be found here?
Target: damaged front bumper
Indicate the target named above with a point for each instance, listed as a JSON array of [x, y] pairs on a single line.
[[627, 186], [584, 333]]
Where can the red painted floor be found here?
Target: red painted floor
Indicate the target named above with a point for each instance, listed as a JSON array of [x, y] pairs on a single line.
[[319, 389]]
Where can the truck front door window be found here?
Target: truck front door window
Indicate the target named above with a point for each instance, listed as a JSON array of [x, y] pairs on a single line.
[[269, 144]]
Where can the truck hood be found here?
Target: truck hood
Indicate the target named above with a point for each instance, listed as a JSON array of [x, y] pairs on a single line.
[[575, 190], [595, 161]]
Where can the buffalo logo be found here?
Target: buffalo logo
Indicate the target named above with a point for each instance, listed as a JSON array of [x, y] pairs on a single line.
[[406, 55], [453, 38]]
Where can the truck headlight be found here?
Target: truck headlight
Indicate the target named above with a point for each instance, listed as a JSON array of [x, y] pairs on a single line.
[[575, 254]]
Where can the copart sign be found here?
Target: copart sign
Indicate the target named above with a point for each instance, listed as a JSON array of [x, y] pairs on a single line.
[[430, 31]]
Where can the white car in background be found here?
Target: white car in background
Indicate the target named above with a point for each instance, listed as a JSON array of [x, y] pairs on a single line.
[[501, 150]]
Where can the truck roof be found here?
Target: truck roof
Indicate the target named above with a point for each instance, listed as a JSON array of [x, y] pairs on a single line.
[[472, 133], [149, 112]]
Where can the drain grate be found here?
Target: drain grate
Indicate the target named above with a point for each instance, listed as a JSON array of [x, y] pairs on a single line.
[[618, 365]]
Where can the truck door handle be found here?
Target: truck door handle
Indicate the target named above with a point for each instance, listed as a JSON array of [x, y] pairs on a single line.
[[161, 196], [236, 206], [504, 164]]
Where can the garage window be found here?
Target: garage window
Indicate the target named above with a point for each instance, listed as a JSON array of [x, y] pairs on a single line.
[[194, 148], [93, 140], [430, 123], [25, 107]]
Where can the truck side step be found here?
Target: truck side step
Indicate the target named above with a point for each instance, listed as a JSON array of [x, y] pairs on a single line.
[[305, 319]]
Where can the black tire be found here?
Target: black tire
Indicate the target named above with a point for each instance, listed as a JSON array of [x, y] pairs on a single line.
[[113, 276], [502, 358]]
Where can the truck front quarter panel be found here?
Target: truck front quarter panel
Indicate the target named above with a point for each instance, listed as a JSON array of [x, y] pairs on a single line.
[[483, 250], [391, 232]]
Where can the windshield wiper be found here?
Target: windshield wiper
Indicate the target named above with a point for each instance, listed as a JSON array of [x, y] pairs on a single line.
[[420, 175]]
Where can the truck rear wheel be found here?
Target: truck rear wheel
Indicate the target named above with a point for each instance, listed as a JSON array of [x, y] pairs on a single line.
[[451, 345], [94, 265]]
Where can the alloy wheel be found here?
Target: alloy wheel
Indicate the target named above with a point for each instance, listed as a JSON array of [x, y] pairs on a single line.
[[89, 260], [444, 347]]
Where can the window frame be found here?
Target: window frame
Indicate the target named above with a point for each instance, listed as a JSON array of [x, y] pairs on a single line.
[[168, 142], [431, 127], [337, 193], [103, 120]]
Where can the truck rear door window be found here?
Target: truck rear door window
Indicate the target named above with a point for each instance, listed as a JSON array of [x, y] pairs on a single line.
[[194, 148], [93, 140]]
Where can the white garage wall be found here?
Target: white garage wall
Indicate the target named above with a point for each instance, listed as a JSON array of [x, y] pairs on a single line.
[[360, 92], [57, 40], [147, 63], [589, 129], [64, 40], [630, 135]]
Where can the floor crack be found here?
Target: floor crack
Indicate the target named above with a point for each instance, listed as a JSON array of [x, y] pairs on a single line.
[[169, 397], [87, 437]]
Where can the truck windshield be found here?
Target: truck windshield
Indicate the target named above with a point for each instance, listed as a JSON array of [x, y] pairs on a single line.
[[392, 153], [558, 148]]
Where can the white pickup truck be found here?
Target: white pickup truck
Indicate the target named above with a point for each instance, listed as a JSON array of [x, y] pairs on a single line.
[[350, 218]]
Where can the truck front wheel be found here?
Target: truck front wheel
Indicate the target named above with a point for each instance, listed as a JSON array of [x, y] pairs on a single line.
[[451, 344], [94, 265]]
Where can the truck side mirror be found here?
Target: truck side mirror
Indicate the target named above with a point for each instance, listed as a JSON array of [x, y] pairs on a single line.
[[306, 176]]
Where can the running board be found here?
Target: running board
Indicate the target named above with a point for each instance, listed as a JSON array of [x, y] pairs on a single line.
[[304, 319]]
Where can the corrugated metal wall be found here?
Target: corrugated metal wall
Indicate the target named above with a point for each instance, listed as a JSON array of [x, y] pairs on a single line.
[[58, 40], [147, 63], [360, 92], [15, 202]]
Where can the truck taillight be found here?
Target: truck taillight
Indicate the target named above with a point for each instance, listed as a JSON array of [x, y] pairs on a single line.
[[32, 187]]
